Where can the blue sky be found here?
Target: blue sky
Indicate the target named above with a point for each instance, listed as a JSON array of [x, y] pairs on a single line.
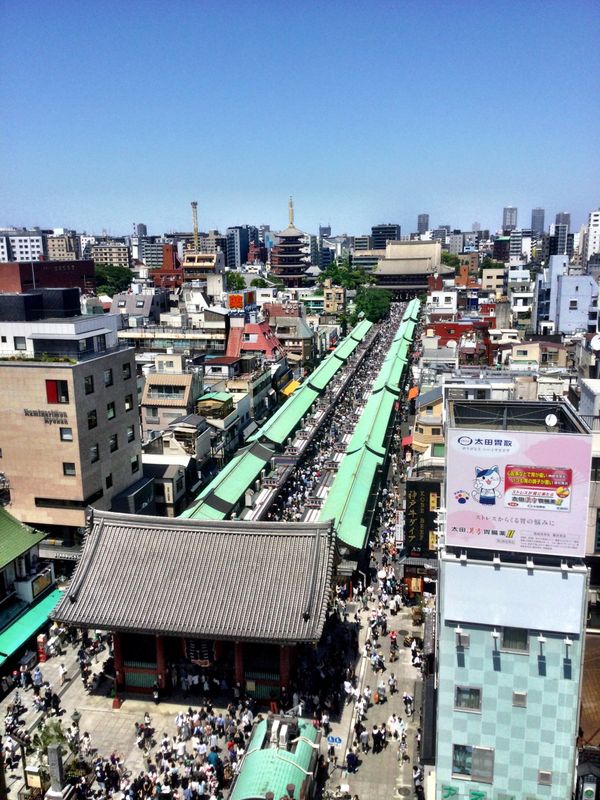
[[366, 112]]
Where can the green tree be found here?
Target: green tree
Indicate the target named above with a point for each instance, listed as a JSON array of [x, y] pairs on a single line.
[[259, 283], [450, 260], [235, 282], [373, 303], [111, 279], [342, 273]]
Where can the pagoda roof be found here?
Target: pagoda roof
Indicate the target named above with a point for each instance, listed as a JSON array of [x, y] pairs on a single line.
[[290, 232]]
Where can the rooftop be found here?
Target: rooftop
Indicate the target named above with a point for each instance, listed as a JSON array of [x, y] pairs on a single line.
[[515, 415], [226, 580]]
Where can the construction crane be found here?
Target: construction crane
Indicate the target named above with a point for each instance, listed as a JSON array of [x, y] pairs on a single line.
[[195, 221]]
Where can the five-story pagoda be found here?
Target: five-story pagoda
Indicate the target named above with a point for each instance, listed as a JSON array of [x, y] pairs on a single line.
[[288, 256]]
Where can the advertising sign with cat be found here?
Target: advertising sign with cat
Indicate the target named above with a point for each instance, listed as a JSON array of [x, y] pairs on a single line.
[[518, 491]]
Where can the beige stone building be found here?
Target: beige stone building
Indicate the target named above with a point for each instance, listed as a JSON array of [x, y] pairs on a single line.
[[334, 298], [69, 436], [61, 248], [112, 254]]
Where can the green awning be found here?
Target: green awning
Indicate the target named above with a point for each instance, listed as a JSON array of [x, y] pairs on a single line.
[[27, 625]]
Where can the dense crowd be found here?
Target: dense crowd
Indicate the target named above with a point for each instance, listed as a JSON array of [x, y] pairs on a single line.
[[336, 428]]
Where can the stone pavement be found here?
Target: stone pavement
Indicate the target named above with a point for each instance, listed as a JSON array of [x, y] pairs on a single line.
[[382, 776]]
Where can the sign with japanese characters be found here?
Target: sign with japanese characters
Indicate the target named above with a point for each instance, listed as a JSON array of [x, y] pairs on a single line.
[[421, 505], [518, 491]]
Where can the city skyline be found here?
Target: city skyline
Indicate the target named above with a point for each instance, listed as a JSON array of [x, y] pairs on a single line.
[[239, 107]]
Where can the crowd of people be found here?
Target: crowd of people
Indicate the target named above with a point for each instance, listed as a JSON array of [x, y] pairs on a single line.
[[336, 429]]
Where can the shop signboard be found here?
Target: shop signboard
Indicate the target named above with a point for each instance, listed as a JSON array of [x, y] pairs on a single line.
[[422, 501], [517, 490]]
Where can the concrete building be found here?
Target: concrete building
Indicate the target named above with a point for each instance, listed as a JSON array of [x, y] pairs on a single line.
[[198, 266], [238, 242], [593, 235], [493, 279], [565, 303], [142, 306], [25, 276], [68, 401], [21, 245], [334, 298], [170, 391], [115, 254], [363, 243], [62, 247], [537, 221], [422, 223], [509, 669], [455, 243], [509, 218], [382, 234]]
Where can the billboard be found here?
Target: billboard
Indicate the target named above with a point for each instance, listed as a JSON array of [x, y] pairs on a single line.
[[422, 502], [518, 491]]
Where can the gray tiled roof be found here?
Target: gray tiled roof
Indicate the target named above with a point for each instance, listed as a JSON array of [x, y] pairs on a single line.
[[239, 580]]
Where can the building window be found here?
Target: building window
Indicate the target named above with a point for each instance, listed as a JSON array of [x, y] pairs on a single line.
[[92, 419], [572, 305], [66, 434], [544, 777], [152, 412], [68, 468], [519, 699], [595, 469], [131, 433], [113, 443], [57, 392], [515, 639], [139, 303], [122, 303], [108, 481], [20, 343], [94, 453], [129, 402], [466, 698], [88, 384], [110, 410], [108, 377], [135, 463], [476, 763], [179, 485], [126, 370], [436, 431]]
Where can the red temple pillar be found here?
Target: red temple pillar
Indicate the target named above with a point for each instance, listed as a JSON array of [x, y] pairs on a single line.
[[118, 657], [284, 665], [161, 662], [239, 663]]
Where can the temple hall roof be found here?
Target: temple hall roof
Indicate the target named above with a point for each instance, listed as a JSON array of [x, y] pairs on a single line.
[[236, 580]]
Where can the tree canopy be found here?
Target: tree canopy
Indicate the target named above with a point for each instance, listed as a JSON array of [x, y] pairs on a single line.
[[450, 260], [342, 273], [235, 282], [111, 279], [373, 303], [259, 283]]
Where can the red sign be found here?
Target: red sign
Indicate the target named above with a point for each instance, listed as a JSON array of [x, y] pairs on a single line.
[[540, 488]]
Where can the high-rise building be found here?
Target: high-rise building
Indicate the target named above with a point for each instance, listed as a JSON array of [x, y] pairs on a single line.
[[111, 254], [238, 242], [288, 256], [563, 218], [69, 405], [325, 230], [385, 233], [141, 229], [510, 670], [537, 221], [560, 232], [593, 234], [21, 244], [509, 218], [422, 223]]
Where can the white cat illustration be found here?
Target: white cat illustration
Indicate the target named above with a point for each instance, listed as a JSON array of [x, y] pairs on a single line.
[[486, 485]]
